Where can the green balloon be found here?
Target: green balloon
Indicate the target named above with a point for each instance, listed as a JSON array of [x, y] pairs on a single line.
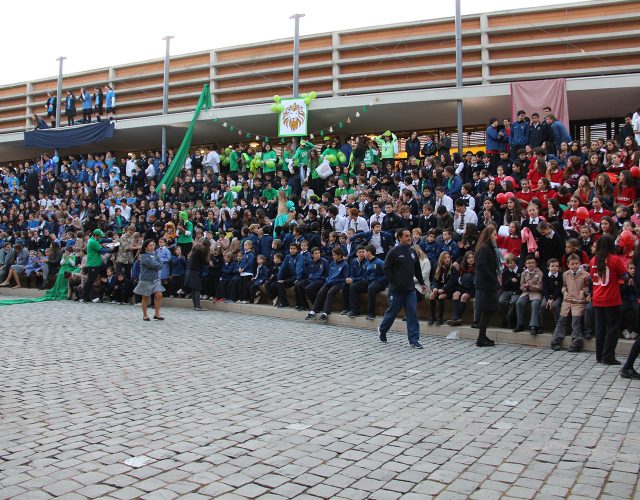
[[342, 157], [331, 159], [236, 189]]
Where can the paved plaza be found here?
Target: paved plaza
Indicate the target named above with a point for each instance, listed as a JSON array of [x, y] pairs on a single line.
[[224, 405]]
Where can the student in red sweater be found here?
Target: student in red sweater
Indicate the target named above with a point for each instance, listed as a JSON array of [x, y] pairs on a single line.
[[597, 212], [525, 195], [544, 192], [512, 243], [606, 269], [624, 193]]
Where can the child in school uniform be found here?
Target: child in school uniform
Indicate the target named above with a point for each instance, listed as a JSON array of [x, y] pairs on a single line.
[[510, 291], [551, 292], [441, 277], [531, 286], [575, 293], [227, 288], [259, 278], [465, 288]]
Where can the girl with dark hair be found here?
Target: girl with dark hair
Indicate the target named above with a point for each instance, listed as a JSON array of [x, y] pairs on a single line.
[[488, 267], [149, 282], [198, 258], [606, 269]]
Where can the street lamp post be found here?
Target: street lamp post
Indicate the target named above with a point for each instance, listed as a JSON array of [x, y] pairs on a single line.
[[458, 24], [296, 57], [165, 97], [59, 91]]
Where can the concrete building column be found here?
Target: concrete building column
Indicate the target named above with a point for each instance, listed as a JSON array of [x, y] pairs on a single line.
[[213, 59], [29, 106], [484, 51], [335, 67]]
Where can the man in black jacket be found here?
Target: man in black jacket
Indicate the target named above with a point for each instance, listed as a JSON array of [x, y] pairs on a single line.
[[400, 266]]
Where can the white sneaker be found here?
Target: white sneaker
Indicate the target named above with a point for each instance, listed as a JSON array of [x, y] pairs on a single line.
[[113, 302], [96, 300], [256, 300], [180, 292], [275, 301]]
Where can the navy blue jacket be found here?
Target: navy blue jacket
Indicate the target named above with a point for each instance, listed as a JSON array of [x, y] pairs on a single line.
[[356, 270], [337, 273], [260, 275], [289, 268], [373, 271], [316, 270]]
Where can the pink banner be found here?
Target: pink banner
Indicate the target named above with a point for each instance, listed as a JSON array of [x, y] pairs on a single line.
[[534, 95]]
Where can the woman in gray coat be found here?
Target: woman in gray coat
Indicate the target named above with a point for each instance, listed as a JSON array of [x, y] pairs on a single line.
[[149, 280]]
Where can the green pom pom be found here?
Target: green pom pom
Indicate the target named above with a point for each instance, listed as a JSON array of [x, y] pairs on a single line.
[[342, 157], [236, 189], [270, 164], [313, 94], [226, 162], [227, 151], [331, 159], [281, 107]]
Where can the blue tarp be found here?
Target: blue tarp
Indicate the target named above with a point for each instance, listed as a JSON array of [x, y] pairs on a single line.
[[69, 136]]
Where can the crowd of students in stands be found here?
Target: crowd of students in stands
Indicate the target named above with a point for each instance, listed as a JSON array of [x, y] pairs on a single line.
[[263, 223]]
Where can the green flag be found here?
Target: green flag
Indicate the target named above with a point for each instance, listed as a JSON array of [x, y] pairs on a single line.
[[181, 156]]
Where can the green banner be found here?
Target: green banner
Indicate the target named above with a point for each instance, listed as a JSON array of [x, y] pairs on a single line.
[[181, 156]]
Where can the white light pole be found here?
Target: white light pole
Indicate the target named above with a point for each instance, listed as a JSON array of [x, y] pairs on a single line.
[[59, 91], [165, 97], [459, 73], [296, 57]]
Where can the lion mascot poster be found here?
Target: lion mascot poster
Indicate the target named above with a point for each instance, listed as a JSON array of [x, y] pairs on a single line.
[[293, 118]]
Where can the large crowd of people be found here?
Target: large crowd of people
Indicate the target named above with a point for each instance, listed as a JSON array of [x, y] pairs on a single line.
[[315, 223]]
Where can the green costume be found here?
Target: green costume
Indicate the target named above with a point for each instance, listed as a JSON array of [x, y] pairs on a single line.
[[334, 152], [187, 235], [387, 149], [234, 161], [269, 156], [270, 194]]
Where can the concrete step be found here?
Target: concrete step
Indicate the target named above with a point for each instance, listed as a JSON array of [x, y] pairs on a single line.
[[500, 335]]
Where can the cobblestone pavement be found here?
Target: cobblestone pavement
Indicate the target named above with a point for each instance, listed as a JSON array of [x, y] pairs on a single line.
[[231, 406]]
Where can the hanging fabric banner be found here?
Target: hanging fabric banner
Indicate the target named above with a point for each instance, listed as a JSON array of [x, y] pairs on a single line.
[[293, 119], [181, 155], [534, 95], [69, 136]]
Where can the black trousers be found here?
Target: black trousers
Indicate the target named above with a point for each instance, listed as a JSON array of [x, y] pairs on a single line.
[[301, 298], [606, 330], [371, 289], [324, 299], [92, 274], [282, 292], [485, 318], [312, 289]]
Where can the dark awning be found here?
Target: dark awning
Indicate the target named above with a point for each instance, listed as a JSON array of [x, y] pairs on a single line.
[[69, 136]]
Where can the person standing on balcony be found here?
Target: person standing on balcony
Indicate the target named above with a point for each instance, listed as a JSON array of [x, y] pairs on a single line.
[[496, 141], [85, 97], [110, 99], [70, 108], [412, 146], [51, 108], [444, 146], [388, 143], [519, 134], [558, 131], [98, 99]]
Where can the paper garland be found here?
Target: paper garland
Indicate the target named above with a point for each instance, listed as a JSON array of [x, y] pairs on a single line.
[[340, 124]]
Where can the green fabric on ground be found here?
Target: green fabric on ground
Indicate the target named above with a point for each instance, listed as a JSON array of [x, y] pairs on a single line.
[[57, 292]]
